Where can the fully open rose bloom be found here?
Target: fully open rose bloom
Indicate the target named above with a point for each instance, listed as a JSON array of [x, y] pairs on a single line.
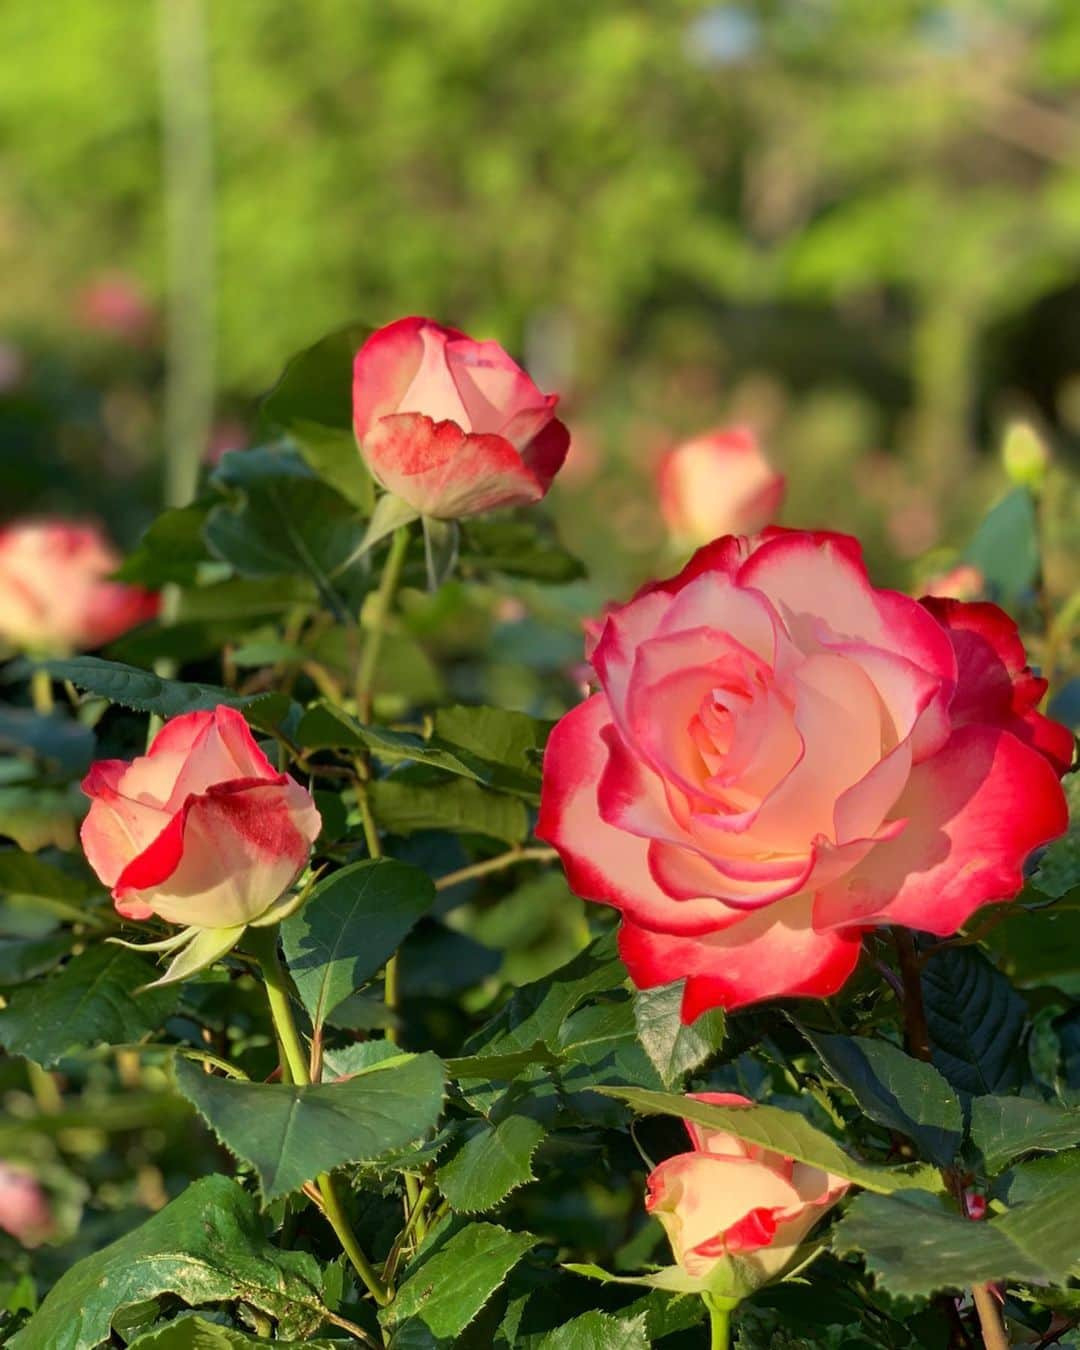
[[55, 596], [782, 756], [720, 483], [200, 830], [730, 1198], [451, 426]]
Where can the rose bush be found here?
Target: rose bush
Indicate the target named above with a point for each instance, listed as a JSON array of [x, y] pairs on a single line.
[[719, 483], [201, 830], [55, 592], [380, 1078], [730, 1198], [782, 756], [450, 426]]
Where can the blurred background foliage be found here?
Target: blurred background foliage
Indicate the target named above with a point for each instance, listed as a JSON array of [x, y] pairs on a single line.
[[854, 224]]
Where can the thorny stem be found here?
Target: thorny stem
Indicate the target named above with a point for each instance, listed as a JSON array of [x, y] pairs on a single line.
[[990, 1323], [915, 1028], [263, 942], [414, 1221], [384, 597]]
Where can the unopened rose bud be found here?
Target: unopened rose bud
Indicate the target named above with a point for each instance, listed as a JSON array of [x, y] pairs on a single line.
[[730, 1198], [1025, 456]]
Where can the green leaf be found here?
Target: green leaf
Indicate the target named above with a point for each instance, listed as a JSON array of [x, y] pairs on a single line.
[[144, 691], [290, 1134], [281, 520], [505, 1067], [1005, 548], [325, 727], [316, 384], [41, 817], [976, 1021], [24, 958], [673, 1048], [536, 1012], [336, 458], [171, 549], [61, 746], [897, 1091], [195, 1333], [208, 1245], [916, 1247], [517, 548], [461, 806], [1038, 948], [446, 1290], [494, 735], [352, 923], [784, 1132], [598, 1331], [26, 875], [92, 1000], [1003, 1128], [496, 1160]]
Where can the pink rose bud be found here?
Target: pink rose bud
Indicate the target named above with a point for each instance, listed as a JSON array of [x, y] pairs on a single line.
[[24, 1209], [962, 582], [200, 830], [717, 484], [975, 1205], [730, 1198], [451, 426], [782, 756], [54, 593]]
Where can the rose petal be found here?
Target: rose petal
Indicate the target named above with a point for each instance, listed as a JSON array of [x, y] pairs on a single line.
[[226, 856], [773, 952], [440, 471], [975, 811], [603, 863]]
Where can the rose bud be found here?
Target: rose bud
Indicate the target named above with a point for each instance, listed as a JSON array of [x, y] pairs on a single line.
[[730, 1198], [54, 594], [24, 1208], [781, 756], [720, 483], [200, 830], [452, 427], [962, 582]]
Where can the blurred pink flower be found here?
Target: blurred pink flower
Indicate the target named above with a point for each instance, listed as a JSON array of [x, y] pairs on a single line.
[[962, 582], [116, 305], [716, 484], [24, 1208]]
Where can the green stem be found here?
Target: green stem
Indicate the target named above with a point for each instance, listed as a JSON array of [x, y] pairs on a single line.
[[263, 945], [391, 988], [41, 692], [489, 865], [384, 597], [720, 1326]]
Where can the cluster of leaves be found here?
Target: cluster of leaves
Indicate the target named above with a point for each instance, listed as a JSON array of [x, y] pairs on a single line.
[[487, 1087]]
